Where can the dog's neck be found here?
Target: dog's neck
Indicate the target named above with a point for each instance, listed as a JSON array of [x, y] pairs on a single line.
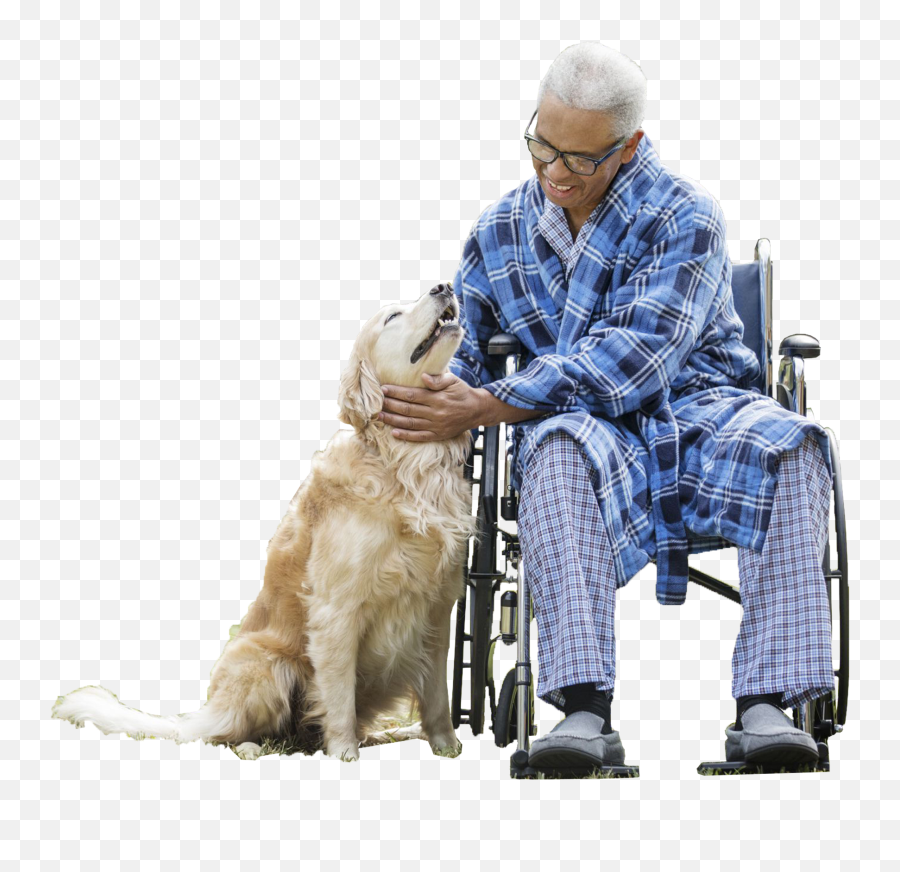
[[399, 452]]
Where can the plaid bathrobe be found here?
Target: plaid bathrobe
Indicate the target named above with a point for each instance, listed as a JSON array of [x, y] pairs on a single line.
[[637, 333]]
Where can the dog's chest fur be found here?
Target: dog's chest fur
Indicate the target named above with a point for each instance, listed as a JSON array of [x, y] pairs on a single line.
[[376, 533], [382, 555]]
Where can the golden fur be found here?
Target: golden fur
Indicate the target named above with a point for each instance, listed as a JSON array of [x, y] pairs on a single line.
[[360, 580]]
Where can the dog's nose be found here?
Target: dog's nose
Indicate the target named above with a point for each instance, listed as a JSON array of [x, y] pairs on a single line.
[[442, 288]]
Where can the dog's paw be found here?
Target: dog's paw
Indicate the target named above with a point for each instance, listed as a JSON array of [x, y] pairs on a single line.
[[248, 750], [343, 751], [452, 748]]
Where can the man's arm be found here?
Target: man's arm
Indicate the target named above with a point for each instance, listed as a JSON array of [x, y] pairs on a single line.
[[628, 360], [479, 317], [494, 411]]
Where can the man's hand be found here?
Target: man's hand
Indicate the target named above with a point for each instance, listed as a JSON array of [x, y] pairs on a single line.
[[444, 408]]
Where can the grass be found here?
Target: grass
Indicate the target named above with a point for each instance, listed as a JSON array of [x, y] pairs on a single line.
[[309, 745], [596, 773], [754, 770]]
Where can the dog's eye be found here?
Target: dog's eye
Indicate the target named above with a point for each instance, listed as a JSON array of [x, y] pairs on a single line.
[[391, 316]]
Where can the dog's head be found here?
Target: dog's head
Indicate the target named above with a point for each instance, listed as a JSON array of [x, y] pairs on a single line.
[[396, 346]]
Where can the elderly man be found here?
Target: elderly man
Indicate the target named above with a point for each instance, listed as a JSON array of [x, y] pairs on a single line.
[[638, 420]]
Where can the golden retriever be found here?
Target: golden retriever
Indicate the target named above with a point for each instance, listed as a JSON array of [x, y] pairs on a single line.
[[361, 575]]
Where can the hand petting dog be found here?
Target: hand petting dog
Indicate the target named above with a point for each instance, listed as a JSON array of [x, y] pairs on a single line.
[[444, 408]]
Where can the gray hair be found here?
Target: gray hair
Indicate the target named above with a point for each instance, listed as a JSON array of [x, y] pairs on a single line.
[[592, 76]]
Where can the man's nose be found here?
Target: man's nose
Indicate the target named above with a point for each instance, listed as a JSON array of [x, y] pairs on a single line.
[[442, 288], [558, 168]]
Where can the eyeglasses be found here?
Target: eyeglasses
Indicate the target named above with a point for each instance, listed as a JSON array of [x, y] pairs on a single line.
[[578, 163]]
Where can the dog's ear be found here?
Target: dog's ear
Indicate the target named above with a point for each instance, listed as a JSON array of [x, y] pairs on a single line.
[[359, 395]]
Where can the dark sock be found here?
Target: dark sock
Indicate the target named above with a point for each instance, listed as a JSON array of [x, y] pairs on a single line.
[[744, 702], [585, 698]]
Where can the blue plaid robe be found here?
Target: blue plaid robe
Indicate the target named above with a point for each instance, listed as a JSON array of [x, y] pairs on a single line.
[[639, 335]]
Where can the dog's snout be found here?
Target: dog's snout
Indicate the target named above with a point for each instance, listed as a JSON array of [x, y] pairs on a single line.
[[442, 288]]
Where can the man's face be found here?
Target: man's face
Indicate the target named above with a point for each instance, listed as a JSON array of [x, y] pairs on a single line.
[[582, 132]]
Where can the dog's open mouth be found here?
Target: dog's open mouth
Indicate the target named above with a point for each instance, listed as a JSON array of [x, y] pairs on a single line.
[[447, 321]]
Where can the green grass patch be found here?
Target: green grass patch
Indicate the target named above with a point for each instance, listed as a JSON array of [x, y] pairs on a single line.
[[309, 745], [754, 770], [595, 773]]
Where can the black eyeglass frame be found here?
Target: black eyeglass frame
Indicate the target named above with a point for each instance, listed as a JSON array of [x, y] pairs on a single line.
[[567, 154]]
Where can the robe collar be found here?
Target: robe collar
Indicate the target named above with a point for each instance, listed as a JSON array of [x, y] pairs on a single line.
[[614, 214]]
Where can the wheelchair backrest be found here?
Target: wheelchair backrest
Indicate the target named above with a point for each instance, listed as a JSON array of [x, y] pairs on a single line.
[[751, 284]]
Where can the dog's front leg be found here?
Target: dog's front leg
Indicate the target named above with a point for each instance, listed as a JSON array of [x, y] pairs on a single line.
[[333, 655], [434, 701]]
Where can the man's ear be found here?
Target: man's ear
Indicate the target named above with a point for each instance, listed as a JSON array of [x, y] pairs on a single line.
[[359, 395], [630, 148]]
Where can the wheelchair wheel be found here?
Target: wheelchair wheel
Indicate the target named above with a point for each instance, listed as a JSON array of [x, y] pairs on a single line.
[[477, 603], [506, 718], [841, 574]]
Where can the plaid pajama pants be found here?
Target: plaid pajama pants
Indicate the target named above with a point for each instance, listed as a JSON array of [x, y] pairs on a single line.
[[784, 641]]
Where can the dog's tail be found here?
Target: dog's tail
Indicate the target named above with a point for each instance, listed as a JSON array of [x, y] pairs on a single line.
[[103, 709]]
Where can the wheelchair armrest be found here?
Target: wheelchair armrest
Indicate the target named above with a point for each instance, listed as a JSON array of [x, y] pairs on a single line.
[[790, 386], [799, 345], [501, 344]]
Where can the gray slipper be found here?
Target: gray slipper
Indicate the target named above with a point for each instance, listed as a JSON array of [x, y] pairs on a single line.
[[769, 738], [577, 743]]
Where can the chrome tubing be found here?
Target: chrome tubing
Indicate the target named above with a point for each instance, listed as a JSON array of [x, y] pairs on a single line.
[[523, 606], [523, 661], [763, 254], [791, 386], [512, 367]]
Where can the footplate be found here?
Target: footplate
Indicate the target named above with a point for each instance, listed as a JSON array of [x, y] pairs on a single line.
[[740, 768]]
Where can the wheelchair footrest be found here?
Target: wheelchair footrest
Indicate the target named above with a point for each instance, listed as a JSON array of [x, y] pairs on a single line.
[[519, 768], [740, 768]]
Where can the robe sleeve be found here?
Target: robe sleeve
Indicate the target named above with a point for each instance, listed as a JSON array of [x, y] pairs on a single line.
[[478, 316], [628, 360]]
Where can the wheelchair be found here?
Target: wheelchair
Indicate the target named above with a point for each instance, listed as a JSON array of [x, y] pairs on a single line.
[[512, 720]]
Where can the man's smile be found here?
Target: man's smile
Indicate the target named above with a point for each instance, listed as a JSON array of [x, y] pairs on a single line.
[[560, 192]]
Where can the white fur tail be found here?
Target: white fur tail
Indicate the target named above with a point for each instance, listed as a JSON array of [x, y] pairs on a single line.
[[104, 710]]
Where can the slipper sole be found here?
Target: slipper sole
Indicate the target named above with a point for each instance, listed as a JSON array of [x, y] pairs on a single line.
[[784, 754], [569, 758]]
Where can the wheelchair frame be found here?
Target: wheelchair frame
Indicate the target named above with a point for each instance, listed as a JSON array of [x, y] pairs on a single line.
[[821, 718]]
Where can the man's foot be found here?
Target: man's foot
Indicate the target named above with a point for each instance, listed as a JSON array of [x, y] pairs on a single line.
[[577, 743], [768, 738]]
